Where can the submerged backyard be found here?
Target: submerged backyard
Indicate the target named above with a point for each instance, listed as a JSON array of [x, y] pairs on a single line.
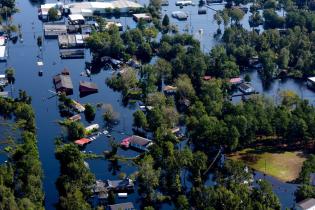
[[111, 115]]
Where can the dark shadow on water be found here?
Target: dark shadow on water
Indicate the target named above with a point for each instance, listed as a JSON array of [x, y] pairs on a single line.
[[82, 95]]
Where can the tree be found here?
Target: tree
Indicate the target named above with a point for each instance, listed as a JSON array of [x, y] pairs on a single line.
[[247, 78], [148, 177], [304, 192], [266, 196], [267, 58], [9, 72], [182, 203], [156, 99], [272, 20], [53, 14], [236, 15], [185, 90], [166, 21], [75, 131], [139, 119], [109, 115], [284, 58], [89, 112]]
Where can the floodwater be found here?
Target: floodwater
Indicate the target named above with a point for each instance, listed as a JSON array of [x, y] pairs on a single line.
[[23, 57]]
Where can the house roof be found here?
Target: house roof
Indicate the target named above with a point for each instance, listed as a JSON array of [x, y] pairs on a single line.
[[89, 85], [74, 17], [63, 81], [235, 80], [122, 206], [82, 141], [312, 79], [2, 51], [307, 203]]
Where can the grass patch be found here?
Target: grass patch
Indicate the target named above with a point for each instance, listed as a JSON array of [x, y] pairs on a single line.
[[285, 166]]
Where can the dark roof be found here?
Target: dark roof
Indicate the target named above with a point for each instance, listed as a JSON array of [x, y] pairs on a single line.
[[139, 140], [120, 183], [307, 203], [89, 85], [122, 206], [63, 81], [312, 179]]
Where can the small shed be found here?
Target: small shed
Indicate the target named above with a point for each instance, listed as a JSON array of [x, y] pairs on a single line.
[[63, 83], [307, 204], [143, 16], [121, 206], [76, 19]]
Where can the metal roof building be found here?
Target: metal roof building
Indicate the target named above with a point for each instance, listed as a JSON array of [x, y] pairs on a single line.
[[90, 8]]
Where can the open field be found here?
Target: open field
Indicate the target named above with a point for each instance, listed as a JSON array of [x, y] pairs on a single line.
[[285, 166]]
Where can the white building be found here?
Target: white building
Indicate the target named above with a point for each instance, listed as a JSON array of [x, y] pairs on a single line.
[[89, 8], [307, 204]]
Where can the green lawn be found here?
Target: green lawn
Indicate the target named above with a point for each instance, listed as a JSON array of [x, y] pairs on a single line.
[[285, 166]]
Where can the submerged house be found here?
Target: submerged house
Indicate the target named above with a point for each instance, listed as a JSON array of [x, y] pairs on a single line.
[[3, 53], [54, 30], [307, 204], [99, 189], [76, 19], [180, 15], [83, 141], [91, 128], [63, 83], [77, 106], [71, 53], [235, 81], [87, 87], [3, 80], [76, 117], [246, 88], [168, 89], [120, 185], [311, 82], [88, 9], [44, 9], [142, 16], [136, 142], [121, 206]]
